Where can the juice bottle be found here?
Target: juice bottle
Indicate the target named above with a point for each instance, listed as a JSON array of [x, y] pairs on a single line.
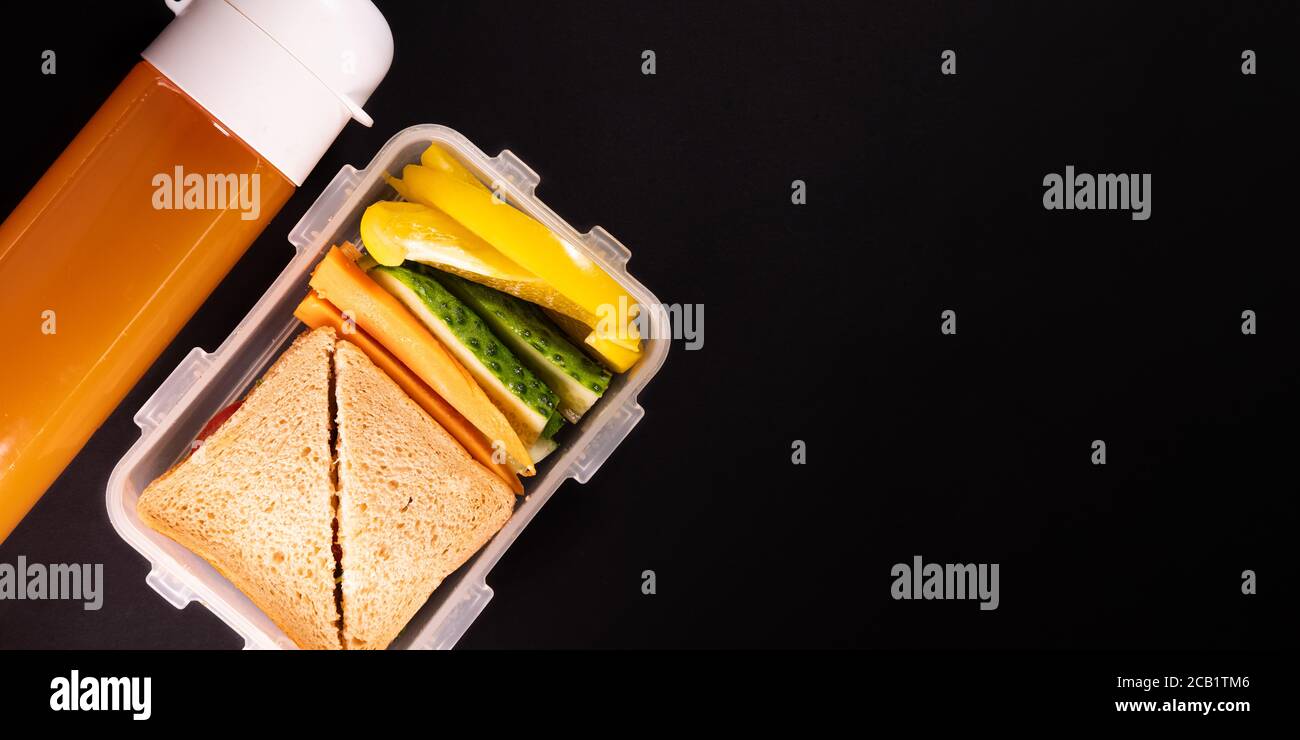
[[155, 200]]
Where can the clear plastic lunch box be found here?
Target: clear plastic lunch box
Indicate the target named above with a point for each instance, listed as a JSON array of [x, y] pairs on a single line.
[[206, 382]]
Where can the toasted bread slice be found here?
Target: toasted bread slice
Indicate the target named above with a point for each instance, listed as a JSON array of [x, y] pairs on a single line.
[[255, 499], [413, 505]]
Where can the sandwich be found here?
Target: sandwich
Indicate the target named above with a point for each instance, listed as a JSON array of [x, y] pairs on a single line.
[[256, 499], [333, 501], [413, 506]]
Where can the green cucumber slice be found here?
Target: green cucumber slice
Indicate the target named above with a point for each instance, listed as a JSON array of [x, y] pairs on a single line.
[[541, 448], [527, 402], [542, 346]]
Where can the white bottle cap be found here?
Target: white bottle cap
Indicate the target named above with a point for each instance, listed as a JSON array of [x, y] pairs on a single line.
[[282, 75]]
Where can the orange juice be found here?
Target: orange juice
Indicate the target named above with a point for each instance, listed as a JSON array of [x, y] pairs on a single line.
[[154, 201], [101, 265]]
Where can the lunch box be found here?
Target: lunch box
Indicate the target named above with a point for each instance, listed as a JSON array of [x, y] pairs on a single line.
[[206, 382]]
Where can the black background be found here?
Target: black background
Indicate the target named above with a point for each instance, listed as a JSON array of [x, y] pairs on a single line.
[[822, 320]]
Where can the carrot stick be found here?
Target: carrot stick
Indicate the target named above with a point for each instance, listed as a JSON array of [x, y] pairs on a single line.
[[315, 312], [338, 280]]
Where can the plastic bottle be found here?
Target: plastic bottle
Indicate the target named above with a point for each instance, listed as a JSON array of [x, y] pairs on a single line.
[[155, 200]]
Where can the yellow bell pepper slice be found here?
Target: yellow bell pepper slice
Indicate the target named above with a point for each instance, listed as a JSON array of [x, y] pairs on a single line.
[[437, 158], [393, 232], [612, 356], [528, 243]]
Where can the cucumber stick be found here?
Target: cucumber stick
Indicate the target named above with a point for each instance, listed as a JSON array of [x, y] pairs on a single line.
[[577, 380], [527, 402]]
